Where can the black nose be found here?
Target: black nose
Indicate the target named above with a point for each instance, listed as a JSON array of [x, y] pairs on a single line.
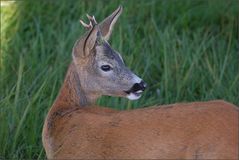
[[143, 85], [139, 86]]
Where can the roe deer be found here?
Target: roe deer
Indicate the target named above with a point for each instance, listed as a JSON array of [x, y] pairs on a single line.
[[75, 128]]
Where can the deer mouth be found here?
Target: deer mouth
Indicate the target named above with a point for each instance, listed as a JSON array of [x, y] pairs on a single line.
[[136, 90], [134, 95]]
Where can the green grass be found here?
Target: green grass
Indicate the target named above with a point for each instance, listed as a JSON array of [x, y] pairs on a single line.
[[186, 49]]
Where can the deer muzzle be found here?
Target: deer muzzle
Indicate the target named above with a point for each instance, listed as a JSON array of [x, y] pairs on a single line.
[[136, 90]]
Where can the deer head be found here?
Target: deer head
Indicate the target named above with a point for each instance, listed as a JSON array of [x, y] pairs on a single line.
[[100, 68]]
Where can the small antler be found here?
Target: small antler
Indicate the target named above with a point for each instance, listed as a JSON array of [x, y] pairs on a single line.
[[92, 19], [87, 26], [91, 24]]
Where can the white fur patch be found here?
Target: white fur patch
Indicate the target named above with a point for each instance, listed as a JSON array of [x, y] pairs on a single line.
[[139, 91], [132, 96]]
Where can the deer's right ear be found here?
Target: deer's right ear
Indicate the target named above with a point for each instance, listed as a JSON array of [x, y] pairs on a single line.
[[106, 26], [83, 47]]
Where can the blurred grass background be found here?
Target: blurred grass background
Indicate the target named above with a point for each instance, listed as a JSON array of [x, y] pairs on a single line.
[[185, 51]]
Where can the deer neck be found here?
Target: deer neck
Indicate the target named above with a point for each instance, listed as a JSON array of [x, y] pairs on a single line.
[[71, 97], [71, 94]]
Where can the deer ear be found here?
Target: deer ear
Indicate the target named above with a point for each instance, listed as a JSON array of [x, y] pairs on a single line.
[[84, 46], [106, 26], [91, 41]]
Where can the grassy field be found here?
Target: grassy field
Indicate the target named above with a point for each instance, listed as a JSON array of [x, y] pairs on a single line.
[[185, 51]]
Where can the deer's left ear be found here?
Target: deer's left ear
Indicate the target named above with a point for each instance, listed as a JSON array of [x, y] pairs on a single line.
[[84, 46], [91, 41], [106, 26]]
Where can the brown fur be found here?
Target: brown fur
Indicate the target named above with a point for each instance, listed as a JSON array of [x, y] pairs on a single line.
[[199, 130]]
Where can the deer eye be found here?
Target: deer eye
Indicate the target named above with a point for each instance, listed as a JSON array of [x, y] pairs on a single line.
[[105, 68]]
